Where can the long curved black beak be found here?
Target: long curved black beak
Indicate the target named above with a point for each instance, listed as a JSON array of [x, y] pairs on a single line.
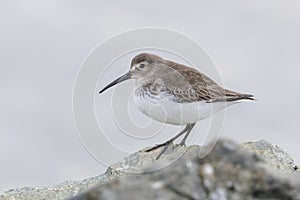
[[118, 80]]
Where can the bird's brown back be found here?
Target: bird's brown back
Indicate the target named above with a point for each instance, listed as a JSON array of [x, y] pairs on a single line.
[[200, 87]]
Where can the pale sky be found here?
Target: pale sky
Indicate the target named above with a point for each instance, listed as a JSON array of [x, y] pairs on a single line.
[[254, 44]]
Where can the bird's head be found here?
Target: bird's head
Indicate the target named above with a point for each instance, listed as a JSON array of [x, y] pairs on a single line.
[[141, 66]]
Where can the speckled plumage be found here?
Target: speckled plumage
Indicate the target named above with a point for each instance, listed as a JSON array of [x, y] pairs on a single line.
[[184, 83], [174, 93]]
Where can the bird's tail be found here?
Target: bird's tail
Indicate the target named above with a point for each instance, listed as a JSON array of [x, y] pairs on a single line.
[[231, 96], [235, 96], [241, 97]]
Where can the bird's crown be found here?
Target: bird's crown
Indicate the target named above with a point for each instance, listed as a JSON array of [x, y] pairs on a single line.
[[145, 57]]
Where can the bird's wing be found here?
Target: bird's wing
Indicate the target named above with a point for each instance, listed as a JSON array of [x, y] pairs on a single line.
[[199, 87]]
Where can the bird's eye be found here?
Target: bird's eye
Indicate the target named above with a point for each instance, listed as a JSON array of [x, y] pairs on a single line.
[[142, 65]]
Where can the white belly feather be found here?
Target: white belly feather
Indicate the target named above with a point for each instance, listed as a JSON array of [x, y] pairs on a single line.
[[168, 111]]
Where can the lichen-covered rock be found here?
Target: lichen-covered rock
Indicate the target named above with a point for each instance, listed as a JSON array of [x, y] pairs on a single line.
[[272, 154], [56, 192], [228, 172]]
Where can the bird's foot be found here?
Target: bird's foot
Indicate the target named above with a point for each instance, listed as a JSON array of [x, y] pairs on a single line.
[[159, 145], [165, 144], [182, 143]]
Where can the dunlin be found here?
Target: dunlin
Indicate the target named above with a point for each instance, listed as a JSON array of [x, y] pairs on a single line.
[[175, 94]]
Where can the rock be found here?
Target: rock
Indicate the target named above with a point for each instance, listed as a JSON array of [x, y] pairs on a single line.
[[275, 156], [61, 191], [228, 172]]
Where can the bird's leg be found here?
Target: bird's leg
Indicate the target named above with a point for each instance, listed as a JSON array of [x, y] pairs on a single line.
[[186, 129], [169, 141], [190, 127]]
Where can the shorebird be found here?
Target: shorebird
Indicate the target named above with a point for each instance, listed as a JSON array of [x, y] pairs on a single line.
[[175, 94]]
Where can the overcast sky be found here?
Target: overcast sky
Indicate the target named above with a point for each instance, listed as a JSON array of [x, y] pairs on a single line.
[[254, 44]]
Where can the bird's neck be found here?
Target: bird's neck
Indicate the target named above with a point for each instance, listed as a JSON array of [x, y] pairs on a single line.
[[142, 81]]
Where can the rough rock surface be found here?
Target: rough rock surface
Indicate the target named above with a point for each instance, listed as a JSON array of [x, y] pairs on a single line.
[[272, 154], [228, 172]]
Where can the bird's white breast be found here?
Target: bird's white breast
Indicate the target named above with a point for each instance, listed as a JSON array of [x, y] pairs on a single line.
[[161, 108]]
